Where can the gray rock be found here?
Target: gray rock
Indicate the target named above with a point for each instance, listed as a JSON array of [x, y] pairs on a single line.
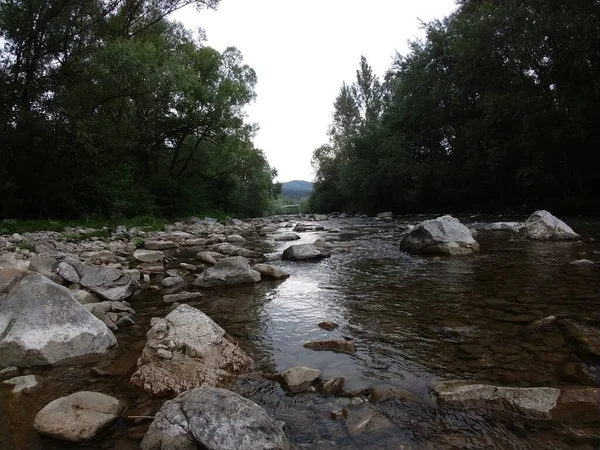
[[543, 226], [235, 238], [529, 402], [287, 237], [176, 272], [582, 262], [386, 214], [148, 255], [85, 297], [159, 245], [209, 257], [515, 227], [135, 274], [234, 222], [25, 383], [214, 419], [55, 326], [79, 417], [203, 354], [299, 379], [304, 252], [210, 220], [228, 272], [321, 217], [68, 272], [171, 281], [9, 372], [46, 265], [269, 271], [186, 266], [10, 261], [181, 297], [232, 250], [444, 235], [195, 242], [105, 282]]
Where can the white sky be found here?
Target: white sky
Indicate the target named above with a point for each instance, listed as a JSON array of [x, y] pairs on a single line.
[[302, 51]]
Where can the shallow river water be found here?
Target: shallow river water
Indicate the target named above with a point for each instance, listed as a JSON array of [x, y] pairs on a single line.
[[414, 320]]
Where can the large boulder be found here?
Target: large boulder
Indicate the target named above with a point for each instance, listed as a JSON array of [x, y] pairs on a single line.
[[79, 417], [105, 282], [543, 226], [230, 271], [42, 323], [214, 419], [46, 265], [304, 252], [186, 350], [444, 235]]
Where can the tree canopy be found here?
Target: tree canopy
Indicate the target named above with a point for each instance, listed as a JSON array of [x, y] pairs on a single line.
[[497, 107], [107, 107]]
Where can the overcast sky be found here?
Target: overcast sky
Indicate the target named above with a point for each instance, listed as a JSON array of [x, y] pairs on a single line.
[[302, 51]]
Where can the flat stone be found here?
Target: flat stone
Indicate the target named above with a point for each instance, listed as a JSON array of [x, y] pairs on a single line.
[[181, 297], [160, 245], [79, 417], [25, 383], [149, 255], [186, 266], [582, 262], [266, 270], [287, 237], [171, 281], [9, 372]]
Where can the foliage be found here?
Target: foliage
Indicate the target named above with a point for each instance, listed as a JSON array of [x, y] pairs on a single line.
[[107, 108], [138, 242], [494, 109]]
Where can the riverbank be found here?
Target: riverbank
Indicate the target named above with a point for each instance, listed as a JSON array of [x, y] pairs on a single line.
[[412, 320]]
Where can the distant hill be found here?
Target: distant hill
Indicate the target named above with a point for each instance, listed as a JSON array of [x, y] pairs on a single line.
[[296, 189]]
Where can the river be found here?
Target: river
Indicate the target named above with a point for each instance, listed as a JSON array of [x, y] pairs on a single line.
[[415, 320]]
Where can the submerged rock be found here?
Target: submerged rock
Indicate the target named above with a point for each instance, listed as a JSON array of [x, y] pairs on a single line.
[[214, 419], [332, 345], [202, 354], [41, 323], [269, 271], [228, 272], [304, 252], [299, 379], [444, 235], [78, 417], [105, 282], [181, 297], [585, 338], [543, 226]]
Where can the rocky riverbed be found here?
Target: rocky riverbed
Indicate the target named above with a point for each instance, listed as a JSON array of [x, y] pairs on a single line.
[[337, 332]]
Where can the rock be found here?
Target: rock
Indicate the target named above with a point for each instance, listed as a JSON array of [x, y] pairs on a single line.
[[16, 238], [235, 238], [300, 228], [234, 222], [299, 379], [10, 261], [158, 245], [79, 417], [529, 402], [181, 297], [25, 383], [208, 257], [304, 252], [84, 297], [213, 419], [515, 227], [582, 262], [148, 255], [385, 215], [210, 220], [380, 394], [585, 338], [334, 230], [329, 326], [203, 354], [232, 250], [333, 386], [269, 271], [287, 237], [171, 281], [543, 226], [444, 235], [163, 353], [135, 274], [230, 271], [342, 414], [186, 266], [195, 242], [9, 372], [46, 265], [55, 326], [540, 324], [333, 345], [105, 282], [321, 217]]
